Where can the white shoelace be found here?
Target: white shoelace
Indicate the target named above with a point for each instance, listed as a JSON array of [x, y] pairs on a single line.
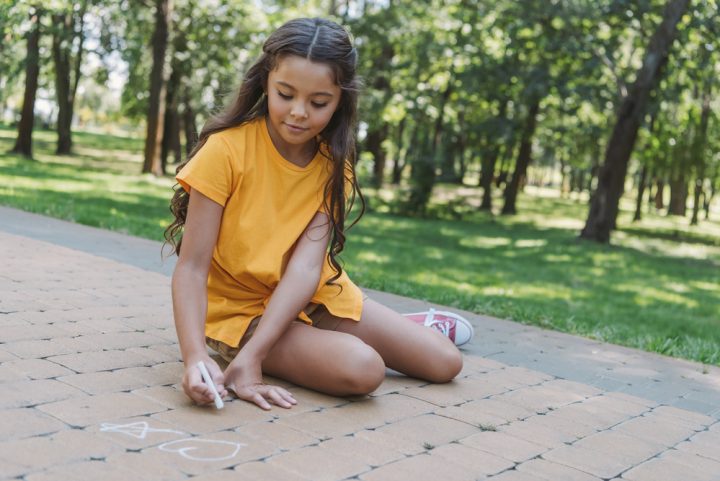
[[442, 326]]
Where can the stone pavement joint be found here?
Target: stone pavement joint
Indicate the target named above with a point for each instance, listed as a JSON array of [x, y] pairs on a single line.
[[91, 369]]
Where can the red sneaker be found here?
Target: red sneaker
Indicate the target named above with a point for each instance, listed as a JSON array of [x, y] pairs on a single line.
[[454, 326]]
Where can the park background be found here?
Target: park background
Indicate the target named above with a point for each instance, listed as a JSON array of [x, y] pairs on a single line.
[[554, 163]]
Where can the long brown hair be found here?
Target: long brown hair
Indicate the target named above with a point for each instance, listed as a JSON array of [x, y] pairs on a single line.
[[318, 40]]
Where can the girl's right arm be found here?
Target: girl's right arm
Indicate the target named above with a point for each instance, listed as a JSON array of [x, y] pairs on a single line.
[[189, 293]]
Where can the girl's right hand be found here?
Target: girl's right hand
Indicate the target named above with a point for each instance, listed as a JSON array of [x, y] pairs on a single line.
[[194, 386]]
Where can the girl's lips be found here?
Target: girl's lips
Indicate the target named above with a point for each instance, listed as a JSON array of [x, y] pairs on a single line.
[[295, 128]]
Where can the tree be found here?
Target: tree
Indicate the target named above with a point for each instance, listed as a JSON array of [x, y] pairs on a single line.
[[156, 108], [604, 204], [23, 143]]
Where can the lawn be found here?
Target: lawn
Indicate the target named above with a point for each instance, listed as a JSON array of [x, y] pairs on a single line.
[[655, 288]]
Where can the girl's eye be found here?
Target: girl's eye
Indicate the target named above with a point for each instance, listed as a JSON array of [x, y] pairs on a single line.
[[284, 96], [317, 105]]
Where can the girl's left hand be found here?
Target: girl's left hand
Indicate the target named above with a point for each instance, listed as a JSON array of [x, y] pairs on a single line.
[[244, 377]]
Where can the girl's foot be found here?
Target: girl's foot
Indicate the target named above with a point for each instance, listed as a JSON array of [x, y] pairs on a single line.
[[454, 326]]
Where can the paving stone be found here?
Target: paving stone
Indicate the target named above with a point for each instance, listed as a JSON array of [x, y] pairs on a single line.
[[381, 410], [456, 392], [26, 422], [406, 446], [531, 430], [86, 411], [396, 383], [85, 470], [283, 437], [368, 452], [63, 447], [36, 349], [420, 468], [101, 360], [504, 445], [171, 397], [429, 430], [24, 332], [479, 365], [629, 449], [31, 369], [552, 471], [265, 471], [206, 419], [514, 475], [588, 461], [674, 466], [319, 464], [103, 382], [319, 424], [472, 413], [538, 399], [193, 456], [685, 416], [30, 393], [477, 462], [163, 374], [631, 399], [706, 443], [651, 428]]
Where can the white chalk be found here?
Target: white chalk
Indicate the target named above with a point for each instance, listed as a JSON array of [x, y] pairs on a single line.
[[208, 380]]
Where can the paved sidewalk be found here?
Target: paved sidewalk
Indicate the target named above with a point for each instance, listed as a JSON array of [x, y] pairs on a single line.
[[89, 368]]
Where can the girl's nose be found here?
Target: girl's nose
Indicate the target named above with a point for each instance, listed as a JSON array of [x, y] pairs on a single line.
[[298, 111]]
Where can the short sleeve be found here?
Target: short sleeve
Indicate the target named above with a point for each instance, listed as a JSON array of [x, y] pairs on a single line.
[[212, 171]]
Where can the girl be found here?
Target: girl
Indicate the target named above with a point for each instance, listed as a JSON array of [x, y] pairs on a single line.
[[262, 209]]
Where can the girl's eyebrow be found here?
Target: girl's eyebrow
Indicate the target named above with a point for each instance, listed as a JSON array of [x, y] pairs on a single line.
[[287, 85]]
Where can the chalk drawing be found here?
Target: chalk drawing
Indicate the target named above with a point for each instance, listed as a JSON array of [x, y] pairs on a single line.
[[137, 430], [141, 429], [185, 452]]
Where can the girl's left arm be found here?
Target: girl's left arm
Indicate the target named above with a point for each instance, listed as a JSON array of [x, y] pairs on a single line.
[[292, 294]]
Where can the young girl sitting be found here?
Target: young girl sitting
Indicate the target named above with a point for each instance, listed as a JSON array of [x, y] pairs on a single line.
[[262, 215]]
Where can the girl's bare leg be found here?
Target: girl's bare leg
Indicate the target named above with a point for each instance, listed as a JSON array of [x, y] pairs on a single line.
[[344, 357], [327, 361], [404, 346]]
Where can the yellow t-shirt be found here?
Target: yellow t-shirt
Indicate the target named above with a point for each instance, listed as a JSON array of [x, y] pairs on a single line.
[[268, 202]]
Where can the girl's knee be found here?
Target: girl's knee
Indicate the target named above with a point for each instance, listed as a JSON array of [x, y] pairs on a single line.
[[366, 373], [446, 365]]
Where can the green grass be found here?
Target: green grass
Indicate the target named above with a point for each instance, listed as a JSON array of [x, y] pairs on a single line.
[[655, 288]]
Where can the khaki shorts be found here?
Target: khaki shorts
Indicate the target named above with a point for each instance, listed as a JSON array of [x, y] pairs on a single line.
[[318, 314]]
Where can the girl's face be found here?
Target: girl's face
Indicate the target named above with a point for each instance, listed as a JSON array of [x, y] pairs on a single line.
[[302, 98]]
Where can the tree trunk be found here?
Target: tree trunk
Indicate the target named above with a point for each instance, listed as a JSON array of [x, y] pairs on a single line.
[[660, 195], [171, 133], [23, 143], [641, 192], [156, 111], [488, 162], [373, 144], [696, 201], [604, 205], [400, 154], [424, 171], [189, 126], [523, 159], [67, 70], [678, 195]]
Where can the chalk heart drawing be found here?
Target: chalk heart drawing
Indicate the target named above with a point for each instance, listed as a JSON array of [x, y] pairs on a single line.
[[198, 449], [195, 449]]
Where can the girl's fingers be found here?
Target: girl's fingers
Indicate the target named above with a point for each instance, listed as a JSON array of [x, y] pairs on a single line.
[[278, 399], [258, 399]]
